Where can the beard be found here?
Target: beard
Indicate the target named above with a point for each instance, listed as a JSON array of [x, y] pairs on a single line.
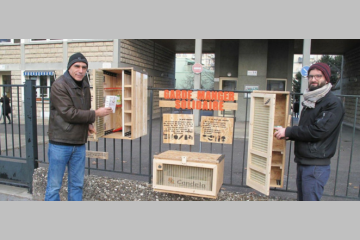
[[320, 85]]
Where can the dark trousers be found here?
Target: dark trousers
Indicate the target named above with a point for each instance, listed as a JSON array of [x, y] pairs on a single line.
[[310, 181], [5, 116]]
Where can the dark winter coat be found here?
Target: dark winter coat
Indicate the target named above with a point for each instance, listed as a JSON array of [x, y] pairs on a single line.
[[6, 109], [317, 132], [70, 113]]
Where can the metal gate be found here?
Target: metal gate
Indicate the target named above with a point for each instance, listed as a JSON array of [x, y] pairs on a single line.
[[132, 159], [17, 163]]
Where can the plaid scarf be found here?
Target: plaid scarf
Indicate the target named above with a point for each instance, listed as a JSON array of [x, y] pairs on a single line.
[[311, 97]]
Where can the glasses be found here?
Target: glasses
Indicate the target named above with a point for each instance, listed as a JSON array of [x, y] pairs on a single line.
[[317, 77]]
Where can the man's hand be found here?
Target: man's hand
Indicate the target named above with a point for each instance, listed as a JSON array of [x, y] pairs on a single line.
[[103, 111], [91, 129], [279, 132]]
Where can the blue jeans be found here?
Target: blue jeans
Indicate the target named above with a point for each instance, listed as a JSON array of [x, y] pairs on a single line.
[[310, 181], [61, 156]]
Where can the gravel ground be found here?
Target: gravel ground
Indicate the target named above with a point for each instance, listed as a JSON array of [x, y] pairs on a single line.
[[98, 188]]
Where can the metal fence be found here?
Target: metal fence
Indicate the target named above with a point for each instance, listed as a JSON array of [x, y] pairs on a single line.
[[132, 159]]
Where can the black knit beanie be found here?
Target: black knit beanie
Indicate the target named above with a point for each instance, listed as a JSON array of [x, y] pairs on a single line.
[[324, 68], [77, 57]]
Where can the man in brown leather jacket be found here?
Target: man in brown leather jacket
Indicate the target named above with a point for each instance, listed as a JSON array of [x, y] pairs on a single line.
[[69, 125]]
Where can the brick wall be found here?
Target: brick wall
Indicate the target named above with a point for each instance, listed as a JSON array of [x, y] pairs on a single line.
[[137, 52], [164, 59], [44, 53], [93, 51], [16, 93], [147, 54], [10, 54], [351, 72]]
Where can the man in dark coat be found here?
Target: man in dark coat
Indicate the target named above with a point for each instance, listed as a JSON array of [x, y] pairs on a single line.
[[316, 135], [6, 109], [70, 123]]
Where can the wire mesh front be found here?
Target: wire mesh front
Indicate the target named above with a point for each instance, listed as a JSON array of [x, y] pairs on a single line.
[[185, 177]]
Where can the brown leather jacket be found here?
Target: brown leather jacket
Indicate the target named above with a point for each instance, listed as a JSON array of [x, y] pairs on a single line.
[[70, 113]]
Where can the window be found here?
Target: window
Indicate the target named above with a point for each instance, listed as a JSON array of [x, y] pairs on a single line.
[[276, 84], [44, 83], [43, 40], [9, 41]]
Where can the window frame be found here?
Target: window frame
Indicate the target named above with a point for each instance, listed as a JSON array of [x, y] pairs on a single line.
[[38, 90], [284, 80], [12, 41]]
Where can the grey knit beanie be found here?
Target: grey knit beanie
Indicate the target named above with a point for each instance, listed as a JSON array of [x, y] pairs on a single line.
[[77, 57]]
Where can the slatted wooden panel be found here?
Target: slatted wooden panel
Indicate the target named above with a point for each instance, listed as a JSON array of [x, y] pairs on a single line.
[[260, 141], [97, 101]]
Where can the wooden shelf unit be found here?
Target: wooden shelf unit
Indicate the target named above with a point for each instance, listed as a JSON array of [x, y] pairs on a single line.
[[266, 154], [131, 114]]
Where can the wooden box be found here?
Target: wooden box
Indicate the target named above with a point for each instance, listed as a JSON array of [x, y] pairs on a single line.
[[266, 154], [130, 118], [188, 173]]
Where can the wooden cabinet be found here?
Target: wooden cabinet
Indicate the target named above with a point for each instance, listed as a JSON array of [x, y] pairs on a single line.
[[130, 118], [266, 154], [188, 173]]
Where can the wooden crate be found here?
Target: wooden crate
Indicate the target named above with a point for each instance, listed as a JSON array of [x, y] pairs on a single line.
[[131, 114], [188, 173], [266, 154]]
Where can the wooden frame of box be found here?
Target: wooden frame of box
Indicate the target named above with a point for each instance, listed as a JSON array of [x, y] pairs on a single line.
[[131, 115], [188, 173], [266, 154]]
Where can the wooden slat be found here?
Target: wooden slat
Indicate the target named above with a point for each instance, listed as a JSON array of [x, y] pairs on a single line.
[[96, 154], [194, 95], [144, 104], [133, 104], [171, 103], [191, 156], [97, 102]]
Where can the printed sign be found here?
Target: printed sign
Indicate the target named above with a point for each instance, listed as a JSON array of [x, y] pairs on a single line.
[[110, 101], [252, 73], [201, 100], [217, 129], [250, 88], [178, 128]]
